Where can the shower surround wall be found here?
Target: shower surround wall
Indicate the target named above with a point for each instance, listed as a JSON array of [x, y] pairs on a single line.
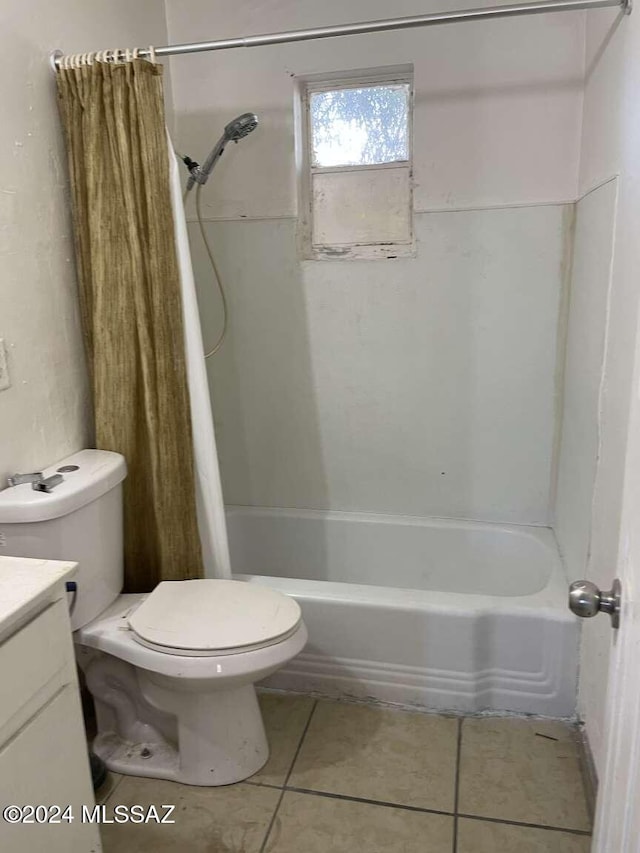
[[424, 386], [45, 413]]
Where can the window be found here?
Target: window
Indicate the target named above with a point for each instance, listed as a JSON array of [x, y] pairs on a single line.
[[356, 194]]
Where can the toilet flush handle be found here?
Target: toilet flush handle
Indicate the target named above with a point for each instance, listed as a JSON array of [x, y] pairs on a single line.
[[48, 484]]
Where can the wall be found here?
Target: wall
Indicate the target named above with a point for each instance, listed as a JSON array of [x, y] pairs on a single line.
[[579, 474], [610, 145], [493, 124], [387, 389], [45, 414], [421, 386]]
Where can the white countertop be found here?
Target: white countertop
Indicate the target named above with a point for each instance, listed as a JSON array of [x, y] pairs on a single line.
[[25, 585]]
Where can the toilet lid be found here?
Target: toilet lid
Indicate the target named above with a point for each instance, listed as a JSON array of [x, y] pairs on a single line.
[[208, 617]]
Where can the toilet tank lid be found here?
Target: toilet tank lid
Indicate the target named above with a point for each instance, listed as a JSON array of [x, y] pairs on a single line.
[[98, 472]]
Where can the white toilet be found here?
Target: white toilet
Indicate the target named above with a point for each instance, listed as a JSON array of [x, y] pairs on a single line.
[[172, 672]]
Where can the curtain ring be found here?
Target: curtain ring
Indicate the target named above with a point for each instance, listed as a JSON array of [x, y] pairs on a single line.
[[136, 53], [152, 54]]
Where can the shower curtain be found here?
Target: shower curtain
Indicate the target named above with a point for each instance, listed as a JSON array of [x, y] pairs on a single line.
[[209, 500], [132, 302]]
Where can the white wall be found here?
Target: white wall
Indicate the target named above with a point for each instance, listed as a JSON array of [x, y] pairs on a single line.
[[498, 104], [45, 414], [385, 388], [610, 146], [579, 474], [423, 386]]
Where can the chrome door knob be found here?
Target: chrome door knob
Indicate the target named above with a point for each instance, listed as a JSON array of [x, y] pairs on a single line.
[[586, 599]]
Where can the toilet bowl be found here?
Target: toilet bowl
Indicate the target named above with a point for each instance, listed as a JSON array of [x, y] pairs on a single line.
[[187, 712], [171, 672]]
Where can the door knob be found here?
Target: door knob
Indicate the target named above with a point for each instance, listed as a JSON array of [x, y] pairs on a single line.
[[586, 599]]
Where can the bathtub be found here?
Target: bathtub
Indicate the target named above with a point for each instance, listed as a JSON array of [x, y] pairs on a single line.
[[436, 613]]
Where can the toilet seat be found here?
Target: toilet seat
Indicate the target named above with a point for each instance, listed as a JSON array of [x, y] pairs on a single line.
[[208, 617]]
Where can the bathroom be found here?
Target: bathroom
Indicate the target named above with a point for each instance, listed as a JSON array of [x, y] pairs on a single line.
[[421, 439]]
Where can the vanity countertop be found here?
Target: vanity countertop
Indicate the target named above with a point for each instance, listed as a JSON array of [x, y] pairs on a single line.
[[25, 585]]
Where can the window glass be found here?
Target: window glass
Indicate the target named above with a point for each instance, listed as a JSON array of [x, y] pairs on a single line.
[[365, 126]]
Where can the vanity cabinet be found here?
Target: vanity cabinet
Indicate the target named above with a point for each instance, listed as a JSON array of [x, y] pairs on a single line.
[[43, 749]]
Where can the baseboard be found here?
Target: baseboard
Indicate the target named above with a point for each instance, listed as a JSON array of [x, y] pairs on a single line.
[[588, 769]]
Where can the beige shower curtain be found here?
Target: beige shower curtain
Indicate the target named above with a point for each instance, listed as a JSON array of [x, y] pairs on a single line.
[[113, 115]]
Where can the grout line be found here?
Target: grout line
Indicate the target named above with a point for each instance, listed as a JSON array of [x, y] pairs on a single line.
[[349, 799], [263, 846], [310, 792], [262, 784], [104, 800], [582, 832], [304, 734], [456, 795]]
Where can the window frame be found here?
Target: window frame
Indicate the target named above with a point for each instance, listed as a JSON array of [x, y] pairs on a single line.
[[306, 86]]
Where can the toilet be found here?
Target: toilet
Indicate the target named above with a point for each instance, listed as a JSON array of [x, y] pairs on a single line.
[[171, 672]]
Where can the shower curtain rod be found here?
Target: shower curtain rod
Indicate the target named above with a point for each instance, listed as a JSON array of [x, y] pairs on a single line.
[[511, 10]]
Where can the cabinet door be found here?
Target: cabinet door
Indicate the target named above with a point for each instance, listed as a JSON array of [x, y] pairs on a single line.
[[32, 657], [46, 763]]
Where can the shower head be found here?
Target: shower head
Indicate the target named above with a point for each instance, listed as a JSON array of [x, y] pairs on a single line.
[[233, 132], [241, 126]]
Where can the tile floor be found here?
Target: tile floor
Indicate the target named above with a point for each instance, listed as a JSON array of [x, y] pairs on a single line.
[[348, 778]]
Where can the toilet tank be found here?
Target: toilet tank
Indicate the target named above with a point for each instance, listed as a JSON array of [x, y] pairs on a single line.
[[79, 520]]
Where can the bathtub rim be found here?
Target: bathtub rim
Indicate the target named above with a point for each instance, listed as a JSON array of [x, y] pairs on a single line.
[[551, 598], [553, 595]]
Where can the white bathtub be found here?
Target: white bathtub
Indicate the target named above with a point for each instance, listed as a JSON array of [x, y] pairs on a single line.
[[431, 612]]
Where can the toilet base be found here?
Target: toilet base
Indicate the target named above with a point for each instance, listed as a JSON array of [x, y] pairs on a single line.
[[155, 760], [176, 730]]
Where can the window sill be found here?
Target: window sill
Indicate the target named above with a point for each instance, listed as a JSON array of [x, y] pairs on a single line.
[[379, 252]]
